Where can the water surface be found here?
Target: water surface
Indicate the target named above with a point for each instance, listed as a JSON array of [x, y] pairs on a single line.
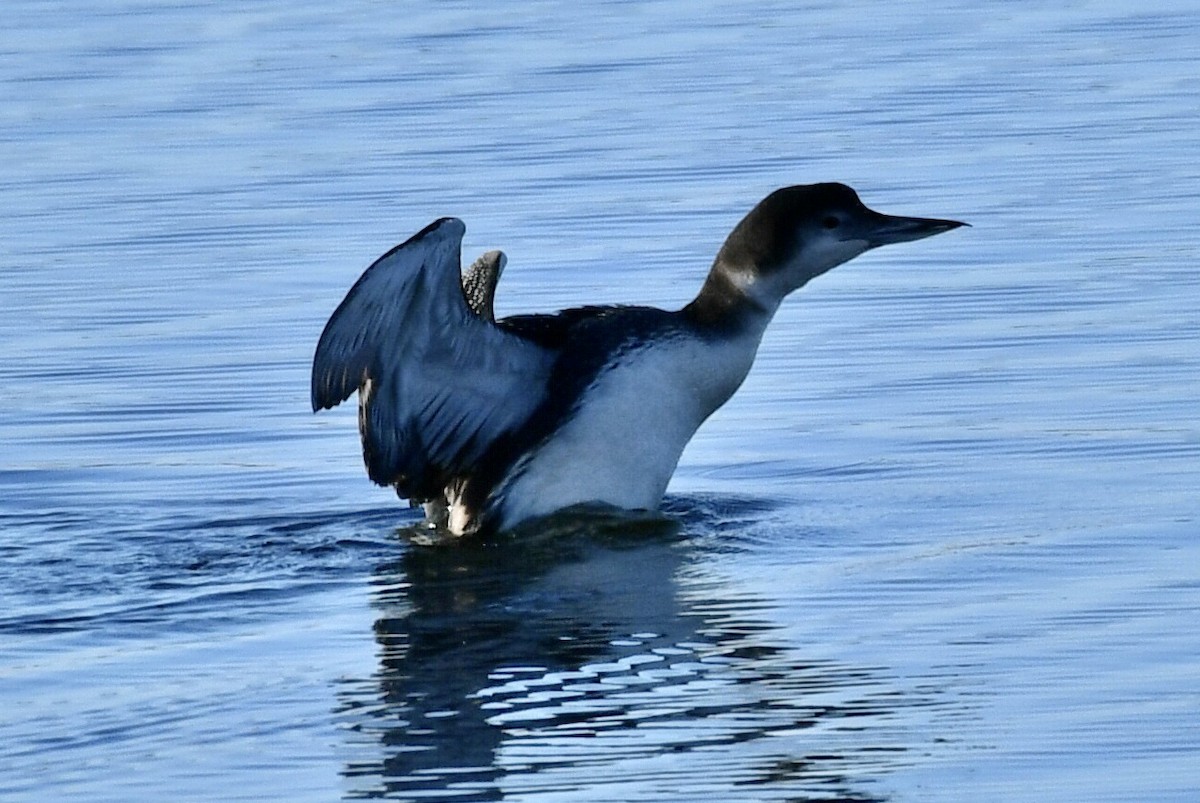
[[941, 546]]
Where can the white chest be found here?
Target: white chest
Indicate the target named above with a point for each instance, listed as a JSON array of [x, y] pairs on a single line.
[[624, 441]]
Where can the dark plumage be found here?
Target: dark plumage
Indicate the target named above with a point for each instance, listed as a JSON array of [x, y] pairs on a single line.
[[490, 423]]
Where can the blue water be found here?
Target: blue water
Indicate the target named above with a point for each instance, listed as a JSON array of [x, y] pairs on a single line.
[[941, 546]]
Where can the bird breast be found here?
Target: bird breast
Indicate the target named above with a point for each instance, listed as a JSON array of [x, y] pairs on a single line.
[[625, 435]]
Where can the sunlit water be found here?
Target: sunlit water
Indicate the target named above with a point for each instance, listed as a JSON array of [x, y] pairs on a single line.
[[942, 546]]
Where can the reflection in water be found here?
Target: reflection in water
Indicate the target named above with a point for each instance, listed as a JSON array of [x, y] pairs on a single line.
[[601, 658]]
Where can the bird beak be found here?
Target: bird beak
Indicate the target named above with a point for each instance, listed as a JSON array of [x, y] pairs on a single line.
[[888, 229]]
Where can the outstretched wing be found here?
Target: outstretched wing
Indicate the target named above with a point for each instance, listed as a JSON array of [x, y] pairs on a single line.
[[437, 383], [479, 283]]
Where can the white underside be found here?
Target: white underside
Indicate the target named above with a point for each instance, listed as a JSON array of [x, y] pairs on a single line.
[[622, 445]]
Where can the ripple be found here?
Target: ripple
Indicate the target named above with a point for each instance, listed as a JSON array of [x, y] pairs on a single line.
[[940, 546]]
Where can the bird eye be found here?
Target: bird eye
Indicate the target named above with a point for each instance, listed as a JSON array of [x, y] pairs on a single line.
[[831, 222]]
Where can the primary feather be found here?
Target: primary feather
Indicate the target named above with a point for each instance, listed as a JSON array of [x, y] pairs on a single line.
[[437, 382]]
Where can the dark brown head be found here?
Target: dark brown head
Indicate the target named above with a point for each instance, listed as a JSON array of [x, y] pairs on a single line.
[[797, 233]]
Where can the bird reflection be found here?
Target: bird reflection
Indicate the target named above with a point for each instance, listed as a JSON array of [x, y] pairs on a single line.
[[560, 659]]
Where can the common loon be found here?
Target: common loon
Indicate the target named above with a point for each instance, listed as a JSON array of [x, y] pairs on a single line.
[[490, 423]]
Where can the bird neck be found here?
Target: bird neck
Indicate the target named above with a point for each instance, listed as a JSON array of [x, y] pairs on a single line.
[[725, 303]]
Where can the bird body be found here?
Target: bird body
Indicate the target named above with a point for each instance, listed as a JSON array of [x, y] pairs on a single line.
[[633, 419], [490, 424]]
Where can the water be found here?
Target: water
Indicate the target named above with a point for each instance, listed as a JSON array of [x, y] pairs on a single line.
[[942, 545]]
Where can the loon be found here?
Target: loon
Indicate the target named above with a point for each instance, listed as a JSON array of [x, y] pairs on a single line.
[[493, 423]]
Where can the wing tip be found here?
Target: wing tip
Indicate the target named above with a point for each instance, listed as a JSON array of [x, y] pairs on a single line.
[[448, 226], [321, 401], [328, 391]]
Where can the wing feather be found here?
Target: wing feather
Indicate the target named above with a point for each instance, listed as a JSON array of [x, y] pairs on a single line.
[[438, 384]]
